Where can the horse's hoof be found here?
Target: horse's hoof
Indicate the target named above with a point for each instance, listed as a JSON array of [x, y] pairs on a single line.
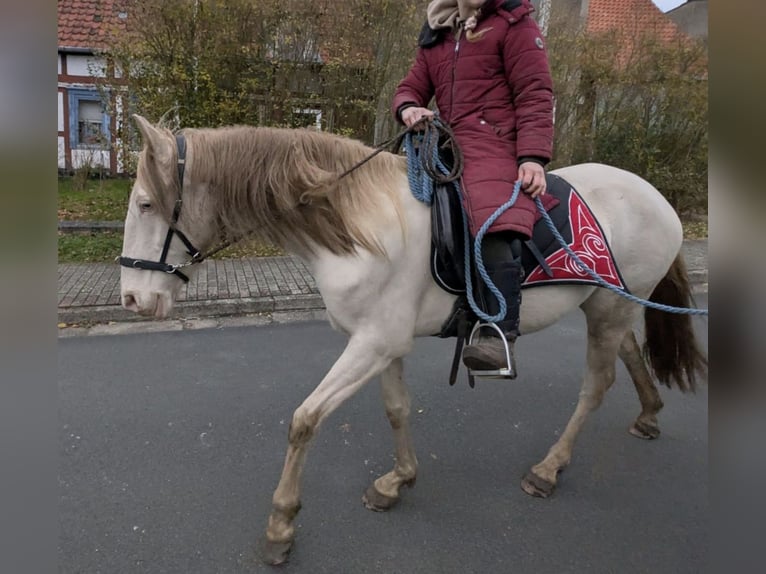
[[536, 486], [375, 501], [644, 430], [275, 553]]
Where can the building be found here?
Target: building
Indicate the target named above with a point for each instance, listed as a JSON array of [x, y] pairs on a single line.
[[692, 18], [630, 18], [86, 129]]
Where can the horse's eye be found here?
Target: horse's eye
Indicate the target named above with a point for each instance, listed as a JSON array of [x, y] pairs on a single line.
[[145, 206]]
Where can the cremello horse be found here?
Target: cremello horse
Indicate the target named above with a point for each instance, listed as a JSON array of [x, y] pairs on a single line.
[[366, 241]]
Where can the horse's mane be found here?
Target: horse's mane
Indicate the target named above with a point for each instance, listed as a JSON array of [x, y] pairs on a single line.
[[282, 186]]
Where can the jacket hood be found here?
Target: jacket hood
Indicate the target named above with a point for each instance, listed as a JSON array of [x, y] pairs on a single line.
[[444, 14]]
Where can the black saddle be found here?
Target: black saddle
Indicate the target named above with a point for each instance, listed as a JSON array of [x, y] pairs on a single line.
[[448, 249]]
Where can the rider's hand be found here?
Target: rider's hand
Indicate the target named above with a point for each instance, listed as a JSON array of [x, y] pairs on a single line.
[[532, 176], [413, 114]]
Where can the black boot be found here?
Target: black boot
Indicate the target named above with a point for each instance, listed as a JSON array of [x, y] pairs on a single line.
[[487, 353]]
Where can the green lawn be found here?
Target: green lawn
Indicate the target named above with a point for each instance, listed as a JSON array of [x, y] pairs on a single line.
[[107, 200], [93, 199], [89, 248], [104, 246], [695, 229]]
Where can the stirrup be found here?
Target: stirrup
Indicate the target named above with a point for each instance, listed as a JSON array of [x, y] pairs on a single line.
[[509, 372]]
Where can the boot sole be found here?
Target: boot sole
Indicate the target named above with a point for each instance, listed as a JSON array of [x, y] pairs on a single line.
[[478, 361]]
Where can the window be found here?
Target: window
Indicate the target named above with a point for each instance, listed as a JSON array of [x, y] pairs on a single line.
[[88, 122], [307, 118]]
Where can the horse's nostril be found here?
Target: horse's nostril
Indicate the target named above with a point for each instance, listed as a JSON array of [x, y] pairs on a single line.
[[129, 302]]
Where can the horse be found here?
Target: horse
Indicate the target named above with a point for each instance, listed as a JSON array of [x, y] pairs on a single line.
[[366, 241]]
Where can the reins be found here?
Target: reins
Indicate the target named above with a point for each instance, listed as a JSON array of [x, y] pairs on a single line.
[[433, 131], [196, 255]]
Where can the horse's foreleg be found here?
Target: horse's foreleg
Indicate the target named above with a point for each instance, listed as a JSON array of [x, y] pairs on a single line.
[[603, 344], [357, 365], [645, 426], [384, 492]]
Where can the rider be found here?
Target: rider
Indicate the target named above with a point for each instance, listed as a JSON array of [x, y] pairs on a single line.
[[485, 63]]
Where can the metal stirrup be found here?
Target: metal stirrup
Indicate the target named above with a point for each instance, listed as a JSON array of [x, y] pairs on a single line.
[[509, 372]]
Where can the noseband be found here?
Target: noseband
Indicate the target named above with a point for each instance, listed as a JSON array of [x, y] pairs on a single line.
[[162, 265]]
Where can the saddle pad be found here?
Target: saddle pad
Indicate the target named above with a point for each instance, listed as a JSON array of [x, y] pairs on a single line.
[[578, 226]]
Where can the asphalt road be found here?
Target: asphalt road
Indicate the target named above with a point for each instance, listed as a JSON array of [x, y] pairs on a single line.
[[171, 445]]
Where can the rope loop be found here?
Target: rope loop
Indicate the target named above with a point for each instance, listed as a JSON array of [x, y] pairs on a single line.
[[424, 165]]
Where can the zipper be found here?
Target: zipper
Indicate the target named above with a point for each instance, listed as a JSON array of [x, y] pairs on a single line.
[[454, 65], [458, 36]]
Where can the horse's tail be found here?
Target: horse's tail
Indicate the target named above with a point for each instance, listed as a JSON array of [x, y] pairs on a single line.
[[671, 348]]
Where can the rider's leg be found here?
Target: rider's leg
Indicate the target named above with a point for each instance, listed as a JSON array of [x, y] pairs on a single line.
[[503, 265]]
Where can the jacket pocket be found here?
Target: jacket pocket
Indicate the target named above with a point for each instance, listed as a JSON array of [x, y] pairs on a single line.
[[500, 133], [502, 129]]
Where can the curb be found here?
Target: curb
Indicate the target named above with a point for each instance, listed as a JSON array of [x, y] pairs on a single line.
[[196, 309], [66, 226]]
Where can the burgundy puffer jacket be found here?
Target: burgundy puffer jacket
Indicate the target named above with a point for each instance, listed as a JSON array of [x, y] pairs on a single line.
[[493, 87]]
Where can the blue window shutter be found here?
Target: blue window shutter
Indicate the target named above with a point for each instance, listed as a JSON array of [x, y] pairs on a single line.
[[107, 134], [73, 114]]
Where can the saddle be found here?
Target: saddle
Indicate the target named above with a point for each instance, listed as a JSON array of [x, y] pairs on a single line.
[[448, 248], [448, 256]]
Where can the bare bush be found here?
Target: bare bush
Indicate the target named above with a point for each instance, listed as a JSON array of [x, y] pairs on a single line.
[[639, 103]]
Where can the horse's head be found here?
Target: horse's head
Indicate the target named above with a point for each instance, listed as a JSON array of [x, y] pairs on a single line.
[[163, 198]]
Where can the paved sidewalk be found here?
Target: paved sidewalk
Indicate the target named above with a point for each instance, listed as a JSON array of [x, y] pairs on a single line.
[[90, 293]]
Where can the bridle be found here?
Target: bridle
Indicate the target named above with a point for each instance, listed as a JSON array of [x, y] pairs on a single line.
[[196, 255]]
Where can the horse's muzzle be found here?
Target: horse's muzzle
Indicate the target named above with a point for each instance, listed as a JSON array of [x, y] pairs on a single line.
[[153, 304]]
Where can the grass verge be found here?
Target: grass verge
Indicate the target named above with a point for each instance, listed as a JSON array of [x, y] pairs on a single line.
[[695, 230], [89, 248], [103, 247], [93, 199]]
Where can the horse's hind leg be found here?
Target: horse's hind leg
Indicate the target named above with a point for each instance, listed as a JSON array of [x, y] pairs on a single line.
[[384, 492], [359, 362], [608, 321], [645, 426]]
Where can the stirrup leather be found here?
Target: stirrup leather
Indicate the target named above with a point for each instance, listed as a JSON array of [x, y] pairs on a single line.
[[509, 372]]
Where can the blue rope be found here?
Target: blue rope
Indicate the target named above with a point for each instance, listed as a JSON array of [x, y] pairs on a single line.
[[421, 183], [422, 187]]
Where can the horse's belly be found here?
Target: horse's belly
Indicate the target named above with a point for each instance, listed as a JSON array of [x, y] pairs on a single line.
[[543, 306]]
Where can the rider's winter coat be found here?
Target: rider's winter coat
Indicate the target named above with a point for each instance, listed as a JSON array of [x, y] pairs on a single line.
[[493, 87]]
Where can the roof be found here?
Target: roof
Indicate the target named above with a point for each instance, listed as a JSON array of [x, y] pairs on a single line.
[[632, 21], [631, 17], [84, 24]]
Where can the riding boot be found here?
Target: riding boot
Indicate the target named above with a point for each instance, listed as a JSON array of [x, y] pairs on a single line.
[[488, 352]]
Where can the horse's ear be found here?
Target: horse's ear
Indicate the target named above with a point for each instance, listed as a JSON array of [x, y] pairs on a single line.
[[157, 141]]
